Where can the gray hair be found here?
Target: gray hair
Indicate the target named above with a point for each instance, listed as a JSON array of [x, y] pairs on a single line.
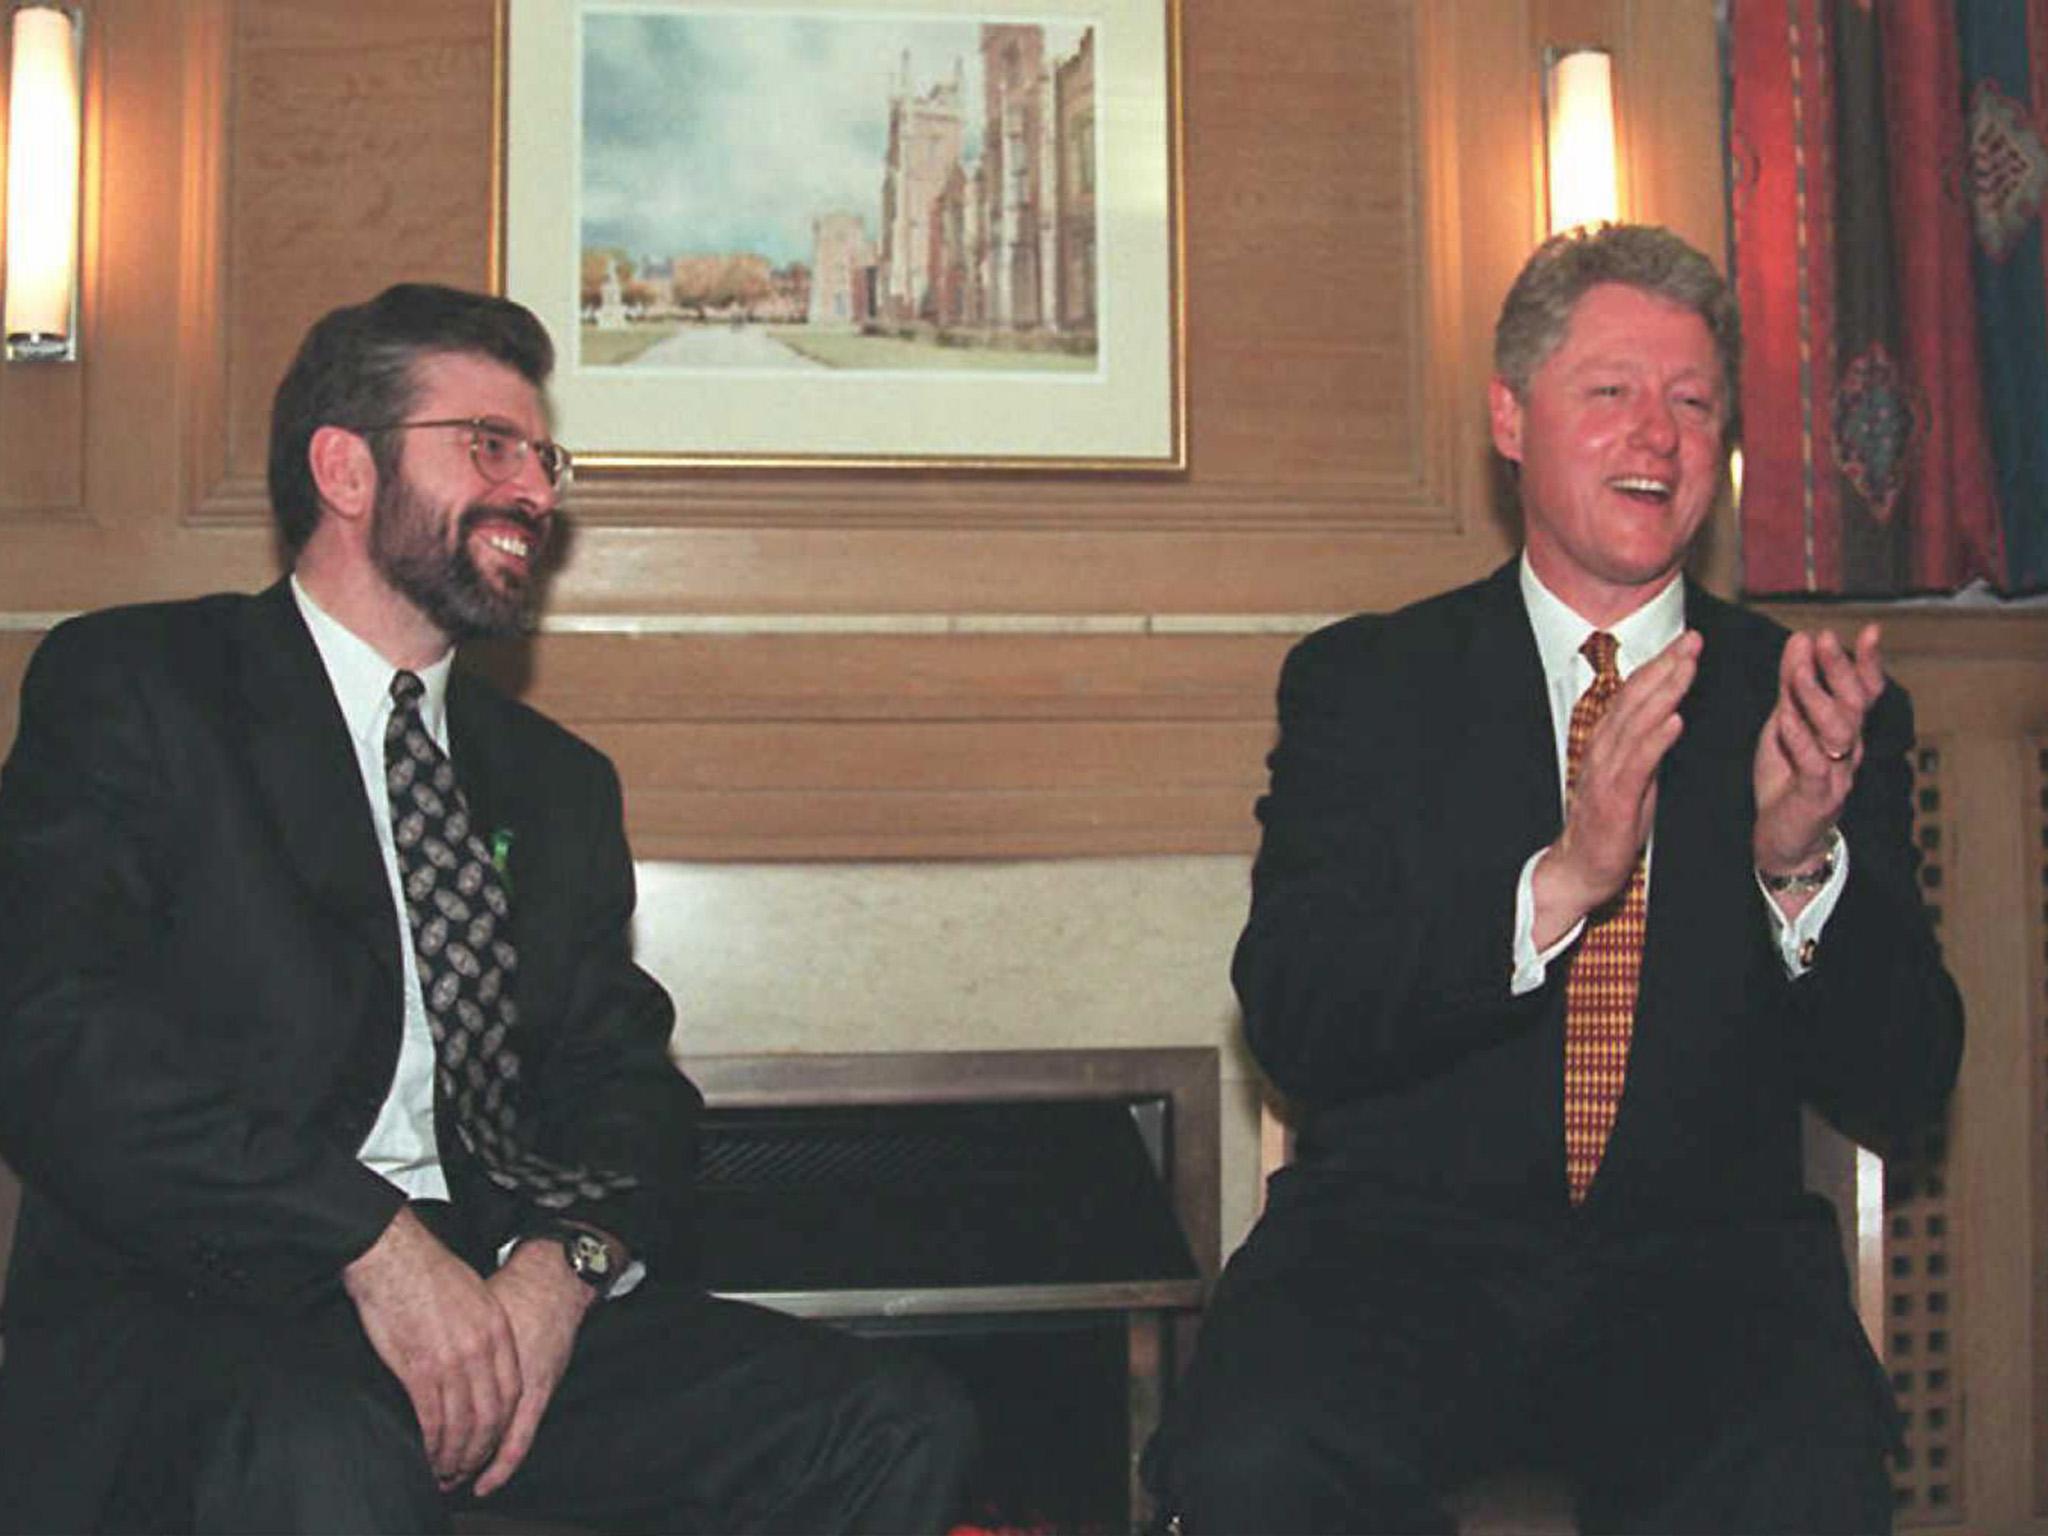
[[1539, 306]]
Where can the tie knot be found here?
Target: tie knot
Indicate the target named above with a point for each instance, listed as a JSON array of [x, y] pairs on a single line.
[[1600, 649], [406, 689]]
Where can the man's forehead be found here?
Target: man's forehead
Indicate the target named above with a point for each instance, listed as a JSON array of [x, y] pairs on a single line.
[[1616, 324], [473, 384], [1638, 355]]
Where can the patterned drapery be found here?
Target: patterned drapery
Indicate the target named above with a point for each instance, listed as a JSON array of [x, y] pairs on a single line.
[[1889, 160]]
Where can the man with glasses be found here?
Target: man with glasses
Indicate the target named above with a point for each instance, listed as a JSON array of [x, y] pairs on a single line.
[[356, 1170]]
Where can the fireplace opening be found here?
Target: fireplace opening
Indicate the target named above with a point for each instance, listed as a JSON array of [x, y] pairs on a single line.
[[1013, 1215]]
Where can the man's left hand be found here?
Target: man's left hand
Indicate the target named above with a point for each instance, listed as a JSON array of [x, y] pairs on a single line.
[[1812, 744], [545, 1303]]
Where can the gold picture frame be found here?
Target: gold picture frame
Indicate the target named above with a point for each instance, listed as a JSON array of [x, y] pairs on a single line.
[[842, 234]]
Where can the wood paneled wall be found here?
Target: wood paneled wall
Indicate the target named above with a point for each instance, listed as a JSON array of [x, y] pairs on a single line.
[[840, 664]]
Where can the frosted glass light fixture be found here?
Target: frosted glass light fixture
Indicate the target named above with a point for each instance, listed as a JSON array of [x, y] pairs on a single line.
[[1583, 181], [43, 117]]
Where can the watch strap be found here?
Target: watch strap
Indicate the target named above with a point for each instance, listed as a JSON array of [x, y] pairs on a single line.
[[1805, 880]]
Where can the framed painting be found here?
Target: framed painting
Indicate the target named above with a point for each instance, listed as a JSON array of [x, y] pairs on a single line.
[[845, 233]]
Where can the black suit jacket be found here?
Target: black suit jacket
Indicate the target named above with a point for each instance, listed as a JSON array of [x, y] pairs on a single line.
[[200, 999], [1415, 774]]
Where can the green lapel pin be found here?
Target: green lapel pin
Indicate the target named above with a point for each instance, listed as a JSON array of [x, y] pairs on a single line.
[[501, 856]]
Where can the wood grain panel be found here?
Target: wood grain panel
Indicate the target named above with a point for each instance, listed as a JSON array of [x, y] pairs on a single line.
[[950, 745], [42, 440], [15, 647], [923, 746], [991, 756], [594, 679], [974, 746], [1313, 263], [361, 155], [941, 824]]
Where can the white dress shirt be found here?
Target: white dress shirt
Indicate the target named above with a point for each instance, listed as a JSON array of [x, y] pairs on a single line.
[[1560, 633], [401, 1144]]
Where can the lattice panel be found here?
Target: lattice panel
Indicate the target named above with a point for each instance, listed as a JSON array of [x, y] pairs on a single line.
[[1923, 1322]]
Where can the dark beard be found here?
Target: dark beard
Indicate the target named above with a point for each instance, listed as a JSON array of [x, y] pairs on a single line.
[[409, 546]]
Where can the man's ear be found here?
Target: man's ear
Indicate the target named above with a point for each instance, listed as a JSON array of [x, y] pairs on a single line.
[[344, 472], [1505, 413]]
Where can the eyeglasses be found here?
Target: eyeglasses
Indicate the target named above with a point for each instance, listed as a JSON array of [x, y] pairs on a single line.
[[498, 449]]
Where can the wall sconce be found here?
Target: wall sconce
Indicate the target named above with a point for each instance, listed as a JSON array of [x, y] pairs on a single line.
[[43, 136], [1578, 113]]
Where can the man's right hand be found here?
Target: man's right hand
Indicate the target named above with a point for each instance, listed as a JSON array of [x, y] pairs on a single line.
[[434, 1322], [1614, 803]]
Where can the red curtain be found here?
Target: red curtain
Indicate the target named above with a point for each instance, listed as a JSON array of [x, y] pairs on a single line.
[[1868, 466]]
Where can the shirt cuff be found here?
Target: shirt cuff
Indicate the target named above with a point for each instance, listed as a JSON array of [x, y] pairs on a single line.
[[1799, 937], [1529, 966], [629, 1279]]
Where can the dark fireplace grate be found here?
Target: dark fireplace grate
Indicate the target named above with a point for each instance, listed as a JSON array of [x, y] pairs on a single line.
[[1018, 1216], [796, 1157], [935, 1197]]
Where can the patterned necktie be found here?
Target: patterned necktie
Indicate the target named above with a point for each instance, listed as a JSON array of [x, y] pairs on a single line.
[[456, 905], [1600, 985]]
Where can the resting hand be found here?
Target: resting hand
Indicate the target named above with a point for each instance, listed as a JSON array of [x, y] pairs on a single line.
[[1811, 746], [444, 1336], [545, 1303], [1614, 803]]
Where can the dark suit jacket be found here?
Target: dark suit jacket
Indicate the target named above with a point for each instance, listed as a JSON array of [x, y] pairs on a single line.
[[200, 999], [1414, 775]]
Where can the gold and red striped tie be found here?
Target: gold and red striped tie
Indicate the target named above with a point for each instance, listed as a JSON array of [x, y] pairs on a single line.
[[1600, 985]]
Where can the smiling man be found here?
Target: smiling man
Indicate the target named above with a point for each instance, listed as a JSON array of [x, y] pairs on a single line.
[[357, 1172], [1575, 885]]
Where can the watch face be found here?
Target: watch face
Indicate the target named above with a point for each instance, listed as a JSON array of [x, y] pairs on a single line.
[[589, 1257]]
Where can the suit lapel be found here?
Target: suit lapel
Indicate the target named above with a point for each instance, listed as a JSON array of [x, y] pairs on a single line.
[[498, 788], [490, 785], [305, 767], [1508, 707], [1699, 882], [1704, 814]]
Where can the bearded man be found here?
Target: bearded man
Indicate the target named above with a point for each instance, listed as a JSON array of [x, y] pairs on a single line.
[[356, 1169]]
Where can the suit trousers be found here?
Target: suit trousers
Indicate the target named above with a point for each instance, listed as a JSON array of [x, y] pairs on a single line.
[[1350, 1376], [678, 1412]]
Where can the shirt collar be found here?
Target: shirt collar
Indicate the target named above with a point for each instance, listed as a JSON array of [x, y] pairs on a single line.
[[1560, 631], [361, 677]]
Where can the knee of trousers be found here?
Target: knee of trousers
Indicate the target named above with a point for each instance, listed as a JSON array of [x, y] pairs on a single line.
[[287, 1453], [1248, 1461], [920, 1408], [1239, 1460]]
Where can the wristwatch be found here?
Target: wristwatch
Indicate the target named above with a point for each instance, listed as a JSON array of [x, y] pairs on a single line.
[[591, 1258], [1806, 879]]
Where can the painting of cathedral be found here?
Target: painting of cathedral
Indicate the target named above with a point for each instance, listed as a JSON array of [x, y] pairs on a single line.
[[851, 231]]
